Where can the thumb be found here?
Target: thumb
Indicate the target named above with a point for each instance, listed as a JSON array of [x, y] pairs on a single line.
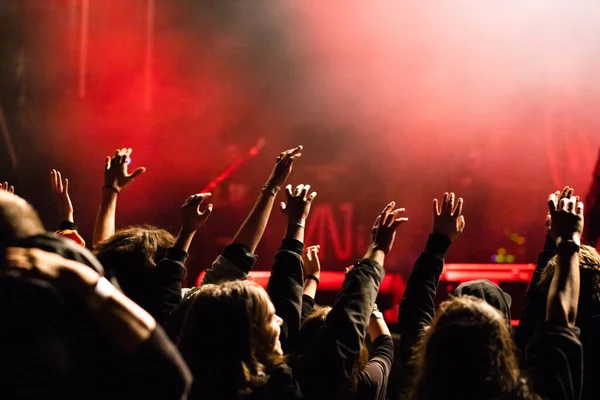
[[461, 223], [137, 173], [207, 212], [283, 208]]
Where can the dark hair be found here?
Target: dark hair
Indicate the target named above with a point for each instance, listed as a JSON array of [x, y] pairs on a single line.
[[468, 349], [18, 219], [130, 252], [309, 337], [227, 340]]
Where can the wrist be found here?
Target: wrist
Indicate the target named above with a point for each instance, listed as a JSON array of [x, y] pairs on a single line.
[[573, 238], [110, 190], [187, 231], [68, 217]]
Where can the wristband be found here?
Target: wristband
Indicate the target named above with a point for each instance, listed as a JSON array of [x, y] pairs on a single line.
[[117, 191], [571, 245], [270, 190], [314, 278], [102, 292], [301, 222]]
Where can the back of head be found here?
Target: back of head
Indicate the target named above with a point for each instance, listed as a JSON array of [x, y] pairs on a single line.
[[226, 340], [489, 292], [130, 253], [467, 353], [18, 219]]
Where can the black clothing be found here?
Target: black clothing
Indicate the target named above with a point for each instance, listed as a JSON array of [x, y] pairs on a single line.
[[555, 360], [324, 362], [373, 379], [52, 347]]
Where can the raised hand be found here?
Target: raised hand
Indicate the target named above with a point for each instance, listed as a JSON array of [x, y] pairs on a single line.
[[567, 218], [60, 189], [116, 175], [312, 265], [447, 217], [298, 202], [566, 193], [283, 167], [7, 188], [384, 229], [192, 217]]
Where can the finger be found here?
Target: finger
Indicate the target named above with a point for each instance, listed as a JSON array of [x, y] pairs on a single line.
[[298, 190], [571, 204], [311, 197], [399, 221], [398, 211], [117, 153], [296, 151], [288, 191], [60, 182], [206, 213], [66, 186], [445, 200], [295, 156], [450, 204], [579, 209], [53, 179], [552, 203], [205, 195], [436, 210], [304, 192], [128, 152], [5, 186], [570, 193], [11, 189], [137, 172], [564, 192], [563, 205], [461, 223], [283, 207], [459, 207], [376, 224], [384, 214]]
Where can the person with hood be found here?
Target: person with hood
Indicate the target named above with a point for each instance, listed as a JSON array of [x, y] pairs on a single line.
[[488, 292]]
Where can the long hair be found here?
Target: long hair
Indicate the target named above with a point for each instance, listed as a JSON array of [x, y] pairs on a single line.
[[130, 252], [468, 352], [227, 340], [309, 336]]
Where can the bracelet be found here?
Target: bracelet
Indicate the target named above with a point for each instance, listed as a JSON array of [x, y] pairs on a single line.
[[314, 278], [270, 190], [301, 222], [102, 291], [568, 245], [117, 191]]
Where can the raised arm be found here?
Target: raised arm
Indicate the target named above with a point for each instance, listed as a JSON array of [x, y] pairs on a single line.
[[254, 226], [60, 189], [312, 275], [534, 310], [116, 178], [417, 306], [567, 227], [170, 271], [286, 280], [238, 257], [555, 354], [332, 363]]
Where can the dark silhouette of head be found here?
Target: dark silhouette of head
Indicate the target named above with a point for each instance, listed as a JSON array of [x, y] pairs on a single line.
[[230, 339], [130, 254], [468, 352], [18, 220]]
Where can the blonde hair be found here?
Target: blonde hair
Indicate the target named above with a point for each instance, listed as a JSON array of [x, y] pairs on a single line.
[[588, 259]]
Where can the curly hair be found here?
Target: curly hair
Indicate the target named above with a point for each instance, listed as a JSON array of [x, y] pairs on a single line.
[[468, 349], [589, 259], [227, 340]]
